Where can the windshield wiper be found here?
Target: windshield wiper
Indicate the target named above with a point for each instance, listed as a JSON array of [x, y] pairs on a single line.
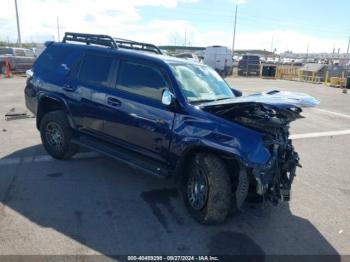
[[225, 98], [202, 101], [209, 100]]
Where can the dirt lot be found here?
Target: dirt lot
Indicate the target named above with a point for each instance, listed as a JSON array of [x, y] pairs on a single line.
[[95, 205]]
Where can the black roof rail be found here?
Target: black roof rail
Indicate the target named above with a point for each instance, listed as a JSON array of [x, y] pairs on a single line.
[[129, 44], [104, 40]]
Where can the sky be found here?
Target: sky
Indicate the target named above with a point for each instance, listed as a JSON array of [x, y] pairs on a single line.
[[281, 25]]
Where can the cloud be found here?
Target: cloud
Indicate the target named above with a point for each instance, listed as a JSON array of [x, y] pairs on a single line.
[[123, 19], [239, 2], [38, 17]]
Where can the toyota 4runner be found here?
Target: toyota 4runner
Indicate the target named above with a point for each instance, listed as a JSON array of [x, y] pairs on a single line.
[[166, 117]]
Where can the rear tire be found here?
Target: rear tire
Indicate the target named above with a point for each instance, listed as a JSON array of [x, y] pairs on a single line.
[[212, 203], [56, 135]]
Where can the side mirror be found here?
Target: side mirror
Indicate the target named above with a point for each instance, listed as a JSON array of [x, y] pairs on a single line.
[[167, 97], [236, 92]]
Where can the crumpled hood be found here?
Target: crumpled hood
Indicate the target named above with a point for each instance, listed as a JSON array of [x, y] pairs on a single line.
[[262, 111], [273, 97], [283, 97]]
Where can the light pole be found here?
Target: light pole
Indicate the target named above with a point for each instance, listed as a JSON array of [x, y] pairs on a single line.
[[58, 30], [234, 30], [18, 27]]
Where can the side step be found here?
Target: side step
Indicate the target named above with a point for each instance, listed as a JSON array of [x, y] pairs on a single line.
[[121, 154]]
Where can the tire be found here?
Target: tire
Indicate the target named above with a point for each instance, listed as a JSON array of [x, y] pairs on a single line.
[[214, 186], [240, 190], [56, 135]]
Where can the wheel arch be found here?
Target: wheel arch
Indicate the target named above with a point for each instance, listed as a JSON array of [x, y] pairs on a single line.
[[233, 162], [48, 104]]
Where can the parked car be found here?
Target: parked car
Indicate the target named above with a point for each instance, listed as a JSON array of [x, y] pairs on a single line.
[[167, 117], [249, 65], [219, 58], [20, 59]]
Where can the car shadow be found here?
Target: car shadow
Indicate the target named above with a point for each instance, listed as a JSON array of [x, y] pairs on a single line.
[[104, 207]]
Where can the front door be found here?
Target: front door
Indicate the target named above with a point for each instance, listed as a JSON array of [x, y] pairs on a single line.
[[136, 118]]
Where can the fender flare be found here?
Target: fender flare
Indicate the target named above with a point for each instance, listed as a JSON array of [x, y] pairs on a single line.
[[64, 105]]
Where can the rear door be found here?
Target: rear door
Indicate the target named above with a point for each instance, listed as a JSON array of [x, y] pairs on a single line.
[[136, 118], [94, 82]]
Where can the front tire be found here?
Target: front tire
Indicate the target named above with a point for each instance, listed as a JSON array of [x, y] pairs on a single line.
[[207, 189], [56, 135]]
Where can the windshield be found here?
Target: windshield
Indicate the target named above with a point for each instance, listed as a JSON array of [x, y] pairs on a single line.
[[200, 83]]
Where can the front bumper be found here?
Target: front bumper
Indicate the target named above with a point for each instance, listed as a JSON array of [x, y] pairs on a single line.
[[274, 180]]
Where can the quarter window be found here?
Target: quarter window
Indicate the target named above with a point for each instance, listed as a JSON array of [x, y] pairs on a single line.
[[141, 79]]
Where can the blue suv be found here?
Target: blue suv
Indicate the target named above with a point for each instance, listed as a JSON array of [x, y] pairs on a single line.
[[165, 116]]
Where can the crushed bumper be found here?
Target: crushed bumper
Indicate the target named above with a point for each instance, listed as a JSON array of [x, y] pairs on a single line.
[[274, 180]]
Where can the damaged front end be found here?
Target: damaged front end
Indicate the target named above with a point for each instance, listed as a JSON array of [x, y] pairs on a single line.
[[273, 179]]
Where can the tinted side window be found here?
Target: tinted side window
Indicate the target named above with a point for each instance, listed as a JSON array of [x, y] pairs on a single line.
[[96, 69], [141, 79]]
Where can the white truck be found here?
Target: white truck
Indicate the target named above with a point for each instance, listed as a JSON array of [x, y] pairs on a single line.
[[219, 58]]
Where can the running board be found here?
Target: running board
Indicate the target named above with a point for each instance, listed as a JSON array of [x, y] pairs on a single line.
[[121, 154]]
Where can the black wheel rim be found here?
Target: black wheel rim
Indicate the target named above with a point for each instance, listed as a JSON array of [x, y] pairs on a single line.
[[197, 188], [54, 136]]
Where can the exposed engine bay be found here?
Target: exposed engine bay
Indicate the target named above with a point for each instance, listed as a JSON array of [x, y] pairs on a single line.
[[273, 180]]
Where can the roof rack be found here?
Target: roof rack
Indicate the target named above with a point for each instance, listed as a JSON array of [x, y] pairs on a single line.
[[129, 44], [104, 40]]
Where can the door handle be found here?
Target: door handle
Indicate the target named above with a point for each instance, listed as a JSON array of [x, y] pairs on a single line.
[[68, 88], [113, 102]]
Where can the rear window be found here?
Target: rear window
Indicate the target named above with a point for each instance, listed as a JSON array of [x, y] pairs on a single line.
[[251, 57], [143, 80], [96, 69], [6, 51]]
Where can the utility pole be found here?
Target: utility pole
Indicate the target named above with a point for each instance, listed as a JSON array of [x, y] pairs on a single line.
[[347, 50], [307, 52], [18, 27], [58, 30], [234, 31], [272, 44]]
